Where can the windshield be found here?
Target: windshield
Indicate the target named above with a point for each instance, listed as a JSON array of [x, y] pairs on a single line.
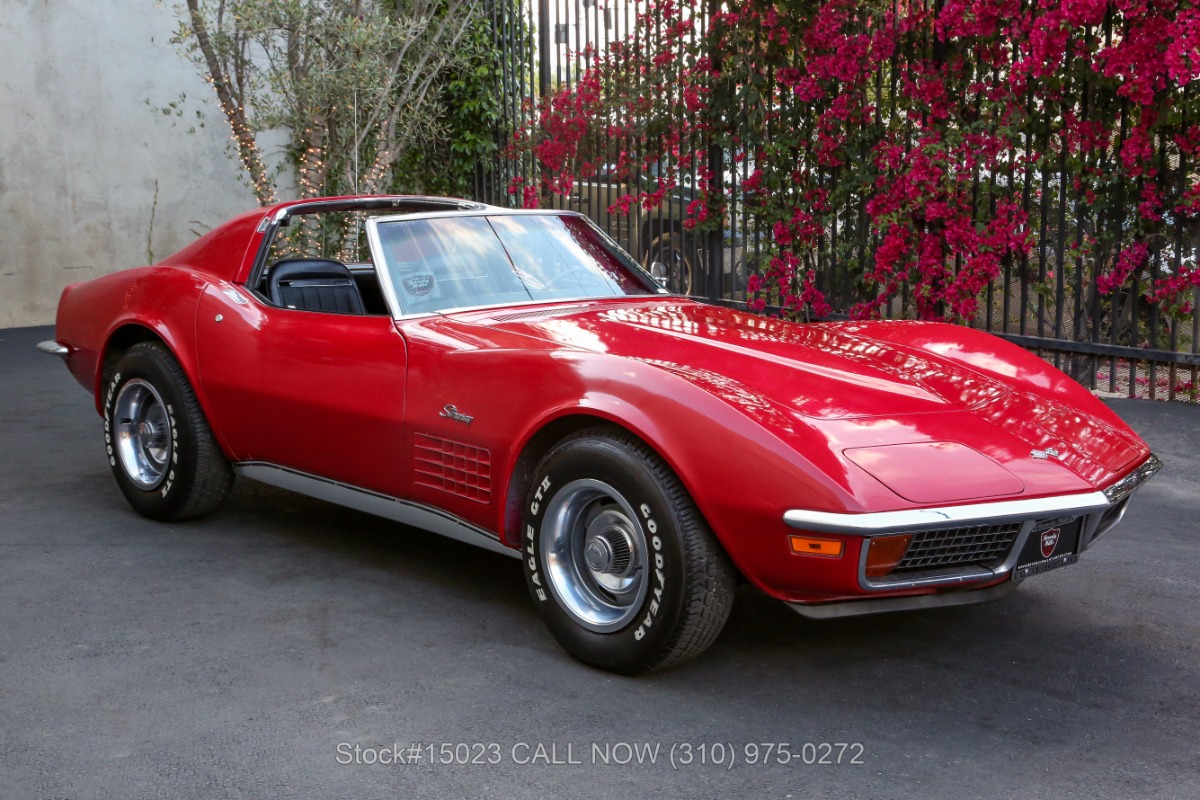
[[460, 262]]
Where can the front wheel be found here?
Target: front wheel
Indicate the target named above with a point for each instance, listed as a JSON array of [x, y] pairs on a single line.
[[621, 566], [160, 448]]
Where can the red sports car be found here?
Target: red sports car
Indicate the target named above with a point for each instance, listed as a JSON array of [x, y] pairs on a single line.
[[514, 379]]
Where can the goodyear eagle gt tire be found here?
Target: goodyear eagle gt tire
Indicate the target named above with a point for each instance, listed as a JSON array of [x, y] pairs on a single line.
[[621, 566], [160, 448]]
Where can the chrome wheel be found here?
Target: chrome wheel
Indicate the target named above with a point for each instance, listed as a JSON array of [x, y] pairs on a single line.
[[618, 560], [142, 433], [594, 550], [669, 251]]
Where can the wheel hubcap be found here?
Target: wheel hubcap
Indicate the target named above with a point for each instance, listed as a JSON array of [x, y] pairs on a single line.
[[609, 549], [142, 434], [594, 551]]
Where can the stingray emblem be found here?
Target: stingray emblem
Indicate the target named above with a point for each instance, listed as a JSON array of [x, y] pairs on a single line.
[[1049, 452], [1049, 540], [450, 412]]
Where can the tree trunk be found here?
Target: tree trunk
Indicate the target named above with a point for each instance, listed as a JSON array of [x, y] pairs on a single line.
[[248, 150]]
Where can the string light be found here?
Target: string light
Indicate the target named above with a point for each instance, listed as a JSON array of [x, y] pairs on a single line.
[[318, 171]]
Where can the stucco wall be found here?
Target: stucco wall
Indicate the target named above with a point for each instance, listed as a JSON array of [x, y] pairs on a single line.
[[80, 150]]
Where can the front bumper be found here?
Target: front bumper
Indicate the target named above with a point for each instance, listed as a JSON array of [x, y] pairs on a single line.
[[882, 605], [971, 545]]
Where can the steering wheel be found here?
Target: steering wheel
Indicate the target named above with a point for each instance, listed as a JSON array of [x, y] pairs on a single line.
[[590, 277]]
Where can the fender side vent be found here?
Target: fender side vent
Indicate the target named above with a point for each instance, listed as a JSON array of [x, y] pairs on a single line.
[[454, 467]]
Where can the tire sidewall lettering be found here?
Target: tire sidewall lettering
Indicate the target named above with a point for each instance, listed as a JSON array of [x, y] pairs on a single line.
[[171, 421], [108, 401], [658, 584], [537, 583], [651, 611]]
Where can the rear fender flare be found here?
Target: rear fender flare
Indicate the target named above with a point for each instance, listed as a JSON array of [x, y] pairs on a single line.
[[152, 321]]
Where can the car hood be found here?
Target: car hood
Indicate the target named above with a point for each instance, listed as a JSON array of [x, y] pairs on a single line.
[[858, 389], [818, 370]]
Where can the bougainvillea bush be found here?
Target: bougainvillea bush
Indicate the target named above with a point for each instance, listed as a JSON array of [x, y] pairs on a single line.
[[905, 156]]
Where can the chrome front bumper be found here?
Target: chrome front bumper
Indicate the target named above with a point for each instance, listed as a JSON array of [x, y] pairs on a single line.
[[1099, 511]]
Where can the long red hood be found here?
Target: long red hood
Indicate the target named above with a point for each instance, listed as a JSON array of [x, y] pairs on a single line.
[[861, 384]]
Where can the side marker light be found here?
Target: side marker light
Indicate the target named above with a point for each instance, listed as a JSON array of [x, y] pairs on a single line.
[[809, 546]]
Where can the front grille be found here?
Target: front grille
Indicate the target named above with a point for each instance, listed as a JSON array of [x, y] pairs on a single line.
[[983, 545]]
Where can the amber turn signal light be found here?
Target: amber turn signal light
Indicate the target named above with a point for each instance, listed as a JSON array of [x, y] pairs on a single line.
[[885, 553], [808, 546]]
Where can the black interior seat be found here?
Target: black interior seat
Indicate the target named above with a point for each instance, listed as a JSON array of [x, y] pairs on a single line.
[[313, 284]]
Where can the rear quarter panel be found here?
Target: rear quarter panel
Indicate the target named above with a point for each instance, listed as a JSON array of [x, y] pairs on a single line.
[[160, 299]]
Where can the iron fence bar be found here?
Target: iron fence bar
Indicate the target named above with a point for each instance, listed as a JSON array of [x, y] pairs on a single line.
[[1009, 262], [1026, 192], [1182, 172], [1060, 236], [543, 30], [713, 240], [1100, 348], [1043, 218]]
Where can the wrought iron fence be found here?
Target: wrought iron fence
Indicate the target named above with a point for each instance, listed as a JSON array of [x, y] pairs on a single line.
[[1046, 301]]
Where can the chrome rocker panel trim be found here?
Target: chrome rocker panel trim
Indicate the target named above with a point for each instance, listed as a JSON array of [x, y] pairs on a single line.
[[1090, 505], [370, 502]]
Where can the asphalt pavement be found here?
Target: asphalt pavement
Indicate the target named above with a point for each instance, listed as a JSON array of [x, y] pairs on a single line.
[[284, 648]]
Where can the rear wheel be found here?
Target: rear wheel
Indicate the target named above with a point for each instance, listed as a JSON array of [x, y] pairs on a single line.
[[163, 454], [622, 567]]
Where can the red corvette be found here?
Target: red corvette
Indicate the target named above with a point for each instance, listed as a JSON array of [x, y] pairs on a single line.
[[513, 379]]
